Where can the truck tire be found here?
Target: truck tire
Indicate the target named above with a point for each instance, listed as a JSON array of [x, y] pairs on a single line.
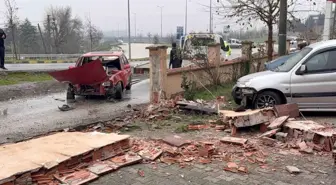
[[119, 91]]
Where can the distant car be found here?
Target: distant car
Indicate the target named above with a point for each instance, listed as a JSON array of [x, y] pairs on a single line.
[[235, 43], [277, 62], [97, 74]]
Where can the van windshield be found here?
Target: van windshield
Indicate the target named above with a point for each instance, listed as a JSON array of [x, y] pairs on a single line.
[[293, 60]]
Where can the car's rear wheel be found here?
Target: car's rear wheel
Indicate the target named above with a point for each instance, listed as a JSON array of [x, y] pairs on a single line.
[[129, 85], [267, 99], [119, 91], [70, 94]]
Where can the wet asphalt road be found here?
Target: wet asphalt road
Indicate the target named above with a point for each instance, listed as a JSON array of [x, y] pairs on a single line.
[[34, 116]]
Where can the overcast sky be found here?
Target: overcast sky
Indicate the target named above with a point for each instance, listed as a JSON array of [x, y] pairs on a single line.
[[108, 14]]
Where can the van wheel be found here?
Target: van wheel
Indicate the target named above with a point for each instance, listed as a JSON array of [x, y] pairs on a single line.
[[119, 91], [267, 99]]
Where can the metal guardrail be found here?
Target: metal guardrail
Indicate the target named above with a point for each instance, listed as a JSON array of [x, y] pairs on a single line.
[[47, 56]]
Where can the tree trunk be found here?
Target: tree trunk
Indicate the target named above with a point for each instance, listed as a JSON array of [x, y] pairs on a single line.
[[270, 42]]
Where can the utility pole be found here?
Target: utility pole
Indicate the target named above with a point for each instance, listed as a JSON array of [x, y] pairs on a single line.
[[186, 18], [161, 7], [129, 31], [44, 46], [282, 28], [210, 29]]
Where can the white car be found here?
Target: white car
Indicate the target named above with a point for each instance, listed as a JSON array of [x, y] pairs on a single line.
[[308, 78]]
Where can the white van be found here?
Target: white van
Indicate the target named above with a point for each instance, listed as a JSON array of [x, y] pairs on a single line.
[[197, 43]]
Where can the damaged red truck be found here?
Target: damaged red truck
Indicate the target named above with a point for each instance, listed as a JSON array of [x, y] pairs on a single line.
[[99, 74]]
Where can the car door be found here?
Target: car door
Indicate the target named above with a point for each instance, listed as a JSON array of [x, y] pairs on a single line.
[[316, 87], [127, 69]]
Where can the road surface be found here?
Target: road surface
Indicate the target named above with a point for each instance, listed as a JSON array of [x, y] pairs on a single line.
[[34, 116]]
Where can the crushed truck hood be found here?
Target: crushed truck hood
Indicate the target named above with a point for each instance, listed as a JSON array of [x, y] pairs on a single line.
[[88, 74]]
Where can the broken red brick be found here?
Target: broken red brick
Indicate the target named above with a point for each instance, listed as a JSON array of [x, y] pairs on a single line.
[[291, 110], [268, 141], [78, 177], [203, 152], [278, 122], [198, 127], [243, 169], [175, 141], [204, 161], [141, 173], [125, 160], [232, 167], [233, 130], [220, 127], [150, 153], [234, 140], [263, 128], [100, 168]]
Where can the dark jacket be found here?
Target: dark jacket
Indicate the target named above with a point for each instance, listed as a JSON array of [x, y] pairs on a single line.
[[2, 42], [175, 58]]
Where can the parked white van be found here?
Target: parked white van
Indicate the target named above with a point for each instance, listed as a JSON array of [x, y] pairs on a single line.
[[308, 78]]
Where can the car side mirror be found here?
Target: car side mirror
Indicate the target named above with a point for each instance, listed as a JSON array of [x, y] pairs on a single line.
[[302, 70]]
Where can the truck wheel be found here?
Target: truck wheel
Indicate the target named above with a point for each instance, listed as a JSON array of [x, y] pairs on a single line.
[[267, 99], [119, 91], [70, 94]]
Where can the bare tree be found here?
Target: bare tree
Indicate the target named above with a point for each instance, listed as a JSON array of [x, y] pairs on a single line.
[[149, 35], [11, 15], [266, 11], [93, 33], [67, 31]]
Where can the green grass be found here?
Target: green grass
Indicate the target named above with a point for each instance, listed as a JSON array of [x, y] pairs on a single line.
[[22, 77], [220, 90]]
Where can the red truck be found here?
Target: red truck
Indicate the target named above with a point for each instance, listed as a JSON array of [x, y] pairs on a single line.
[[99, 74]]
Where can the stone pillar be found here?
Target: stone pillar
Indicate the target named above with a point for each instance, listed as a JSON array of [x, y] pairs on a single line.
[[247, 50], [288, 46], [214, 54], [158, 72], [266, 44]]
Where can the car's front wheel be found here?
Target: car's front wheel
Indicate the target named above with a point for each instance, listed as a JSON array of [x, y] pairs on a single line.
[[267, 99]]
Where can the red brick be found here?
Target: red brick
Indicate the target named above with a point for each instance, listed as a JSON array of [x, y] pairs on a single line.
[[291, 110], [278, 122], [233, 130], [234, 140], [263, 128]]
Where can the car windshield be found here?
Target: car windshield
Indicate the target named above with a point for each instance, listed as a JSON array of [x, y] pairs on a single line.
[[293, 60]]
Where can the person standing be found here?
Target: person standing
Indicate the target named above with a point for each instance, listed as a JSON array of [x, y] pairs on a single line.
[[175, 57], [2, 49]]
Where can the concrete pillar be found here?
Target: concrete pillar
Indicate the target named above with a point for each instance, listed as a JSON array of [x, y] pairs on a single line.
[[327, 20], [214, 54], [247, 50], [288, 46], [266, 44], [158, 72]]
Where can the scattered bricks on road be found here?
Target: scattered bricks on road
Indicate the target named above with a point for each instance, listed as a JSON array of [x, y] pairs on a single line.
[[175, 141], [278, 122], [78, 177], [291, 110], [268, 141], [293, 169], [234, 140], [270, 133], [150, 153], [198, 127], [100, 168], [125, 160], [280, 136]]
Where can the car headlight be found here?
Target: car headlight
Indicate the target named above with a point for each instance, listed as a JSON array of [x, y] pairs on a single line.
[[108, 83]]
